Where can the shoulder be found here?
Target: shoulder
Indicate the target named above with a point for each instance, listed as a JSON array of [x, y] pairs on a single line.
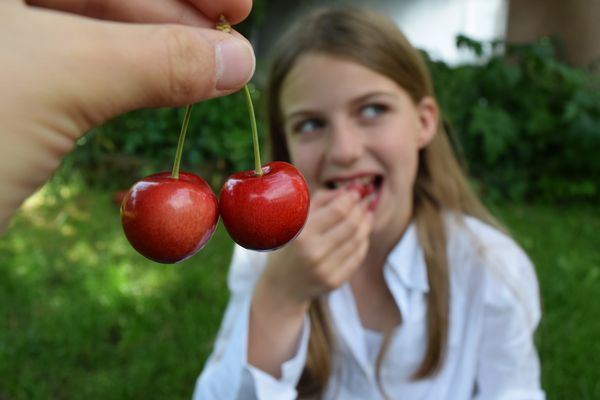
[[471, 240], [245, 268], [503, 271], [471, 234]]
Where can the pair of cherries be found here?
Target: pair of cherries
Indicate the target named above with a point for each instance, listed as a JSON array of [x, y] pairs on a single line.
[[169, 219]]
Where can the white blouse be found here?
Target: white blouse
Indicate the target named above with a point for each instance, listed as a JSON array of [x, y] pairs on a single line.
[[494, 311]]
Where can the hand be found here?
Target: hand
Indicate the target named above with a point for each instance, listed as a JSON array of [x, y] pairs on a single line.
[[62, 74], [188, 12], [332, 245]]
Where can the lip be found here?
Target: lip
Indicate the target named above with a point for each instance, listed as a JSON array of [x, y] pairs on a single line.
[[374, 202], [327, 182]]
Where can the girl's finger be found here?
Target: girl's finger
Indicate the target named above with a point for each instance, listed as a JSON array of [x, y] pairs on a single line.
[[346, 226], [331, 209], [347, 257]]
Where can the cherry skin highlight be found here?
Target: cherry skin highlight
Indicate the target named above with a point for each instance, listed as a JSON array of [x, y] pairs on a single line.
[[264, 212], [168, 220]]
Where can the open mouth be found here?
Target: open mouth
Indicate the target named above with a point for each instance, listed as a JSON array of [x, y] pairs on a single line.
[[367, 186]]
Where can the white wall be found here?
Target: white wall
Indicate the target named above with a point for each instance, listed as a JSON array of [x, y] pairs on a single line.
[[434, 24], [431, 25]]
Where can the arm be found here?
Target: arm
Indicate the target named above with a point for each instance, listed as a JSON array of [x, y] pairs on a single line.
[[227, 374], [262, 344], [331, 247], [508, 362], [62, 74]]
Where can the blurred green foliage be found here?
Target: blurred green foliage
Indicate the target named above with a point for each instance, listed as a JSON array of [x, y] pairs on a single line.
[[528, 123], [83, 316]]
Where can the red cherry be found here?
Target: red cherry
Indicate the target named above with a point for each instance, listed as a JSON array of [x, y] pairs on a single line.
[[362, 190], [169, 220], [264, 212]]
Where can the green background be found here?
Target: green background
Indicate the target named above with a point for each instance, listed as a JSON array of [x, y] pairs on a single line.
[[84, 316]]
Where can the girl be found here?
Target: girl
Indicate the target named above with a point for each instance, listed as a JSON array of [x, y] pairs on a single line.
[[401, 285]]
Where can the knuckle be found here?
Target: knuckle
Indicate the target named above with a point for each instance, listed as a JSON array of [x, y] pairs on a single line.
[[183, 63], [356, 224], [363, 229], [362, 242], [335, 283], [313, 258], [353, 226], [332, 283], [326, 281], [340, 209], [363, 248]]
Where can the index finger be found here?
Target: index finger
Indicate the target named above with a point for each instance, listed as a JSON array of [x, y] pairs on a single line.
[[202, 13], [330, 207], [234, 10]]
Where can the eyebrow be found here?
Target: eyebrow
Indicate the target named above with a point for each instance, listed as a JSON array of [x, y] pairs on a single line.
[[367, 96], [360, 99]]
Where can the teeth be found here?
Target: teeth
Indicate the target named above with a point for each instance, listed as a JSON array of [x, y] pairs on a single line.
[[363, 180]]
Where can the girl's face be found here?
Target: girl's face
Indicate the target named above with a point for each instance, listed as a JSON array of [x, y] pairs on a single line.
[[347, 125]]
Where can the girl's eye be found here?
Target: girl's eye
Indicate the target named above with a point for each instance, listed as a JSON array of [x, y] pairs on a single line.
[[371, 111], [307, 126]]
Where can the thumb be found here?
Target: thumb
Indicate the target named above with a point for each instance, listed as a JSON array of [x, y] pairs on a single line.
[[138, 66]]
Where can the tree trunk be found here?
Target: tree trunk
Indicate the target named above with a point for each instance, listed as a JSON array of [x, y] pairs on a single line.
[[576, 23]]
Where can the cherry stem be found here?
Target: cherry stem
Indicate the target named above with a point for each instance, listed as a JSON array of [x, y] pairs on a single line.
[[179, 152], [257, 164], [224, 26]]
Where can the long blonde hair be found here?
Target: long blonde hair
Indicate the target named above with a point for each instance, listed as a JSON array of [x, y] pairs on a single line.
[[374, 41]]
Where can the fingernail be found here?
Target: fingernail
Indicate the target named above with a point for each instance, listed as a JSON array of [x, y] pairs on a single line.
[[235, 63]]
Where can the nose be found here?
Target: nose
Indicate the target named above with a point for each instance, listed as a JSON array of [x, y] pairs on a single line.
[[345, 143]]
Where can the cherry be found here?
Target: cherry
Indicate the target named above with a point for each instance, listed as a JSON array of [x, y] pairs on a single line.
[[264, 211], [362, 190], [265, 208], [169, 219]]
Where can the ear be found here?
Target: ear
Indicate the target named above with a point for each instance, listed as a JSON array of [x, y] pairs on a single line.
[[428, 112]]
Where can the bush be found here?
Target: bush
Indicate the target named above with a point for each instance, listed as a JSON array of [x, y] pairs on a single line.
[[528, 123], [528, 126]]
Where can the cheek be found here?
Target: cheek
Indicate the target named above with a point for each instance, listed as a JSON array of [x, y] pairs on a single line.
[[306, 159], [400, 156]]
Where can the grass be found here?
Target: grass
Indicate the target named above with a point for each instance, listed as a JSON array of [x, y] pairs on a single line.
[[564, 244], [84, 316]]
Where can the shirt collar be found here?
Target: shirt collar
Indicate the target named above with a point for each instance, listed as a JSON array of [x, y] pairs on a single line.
[[407, 262]]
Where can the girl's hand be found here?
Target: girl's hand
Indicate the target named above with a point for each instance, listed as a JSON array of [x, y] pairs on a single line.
[[332, 245]]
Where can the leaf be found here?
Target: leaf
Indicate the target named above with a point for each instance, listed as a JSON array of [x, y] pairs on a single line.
[[496, 129]]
